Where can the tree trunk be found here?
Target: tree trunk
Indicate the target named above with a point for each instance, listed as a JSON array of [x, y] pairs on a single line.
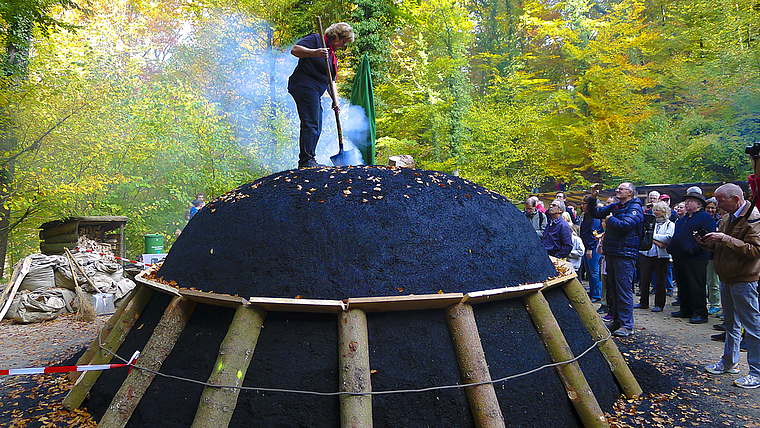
[[159, 346], [235, 353], [119, 332], [473, 366], [14, 64], [578, 389]]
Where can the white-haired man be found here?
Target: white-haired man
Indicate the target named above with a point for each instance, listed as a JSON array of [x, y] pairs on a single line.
[[737, 263], [558, 236]]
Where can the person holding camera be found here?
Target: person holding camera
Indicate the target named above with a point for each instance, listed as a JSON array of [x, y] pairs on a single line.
[[737, 263], [690, 258], [621, 250]]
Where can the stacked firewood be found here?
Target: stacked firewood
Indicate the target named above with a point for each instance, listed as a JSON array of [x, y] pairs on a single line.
[[85, 243]]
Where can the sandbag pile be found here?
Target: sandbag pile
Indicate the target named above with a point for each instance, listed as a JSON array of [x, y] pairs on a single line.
[[48, 289]]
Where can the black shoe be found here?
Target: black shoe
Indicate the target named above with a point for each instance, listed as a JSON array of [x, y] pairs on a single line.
[[640, 306], [720, 337], [719, 327], [676, 303], [613, 326], [602, 309], [680, 314], [698, 319], [595, 300], [311, 163]]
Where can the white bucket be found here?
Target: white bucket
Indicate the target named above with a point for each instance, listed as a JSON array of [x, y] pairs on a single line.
[[104, 303]]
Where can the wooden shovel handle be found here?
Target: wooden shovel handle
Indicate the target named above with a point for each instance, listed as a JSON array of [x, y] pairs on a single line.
[[330, 86]]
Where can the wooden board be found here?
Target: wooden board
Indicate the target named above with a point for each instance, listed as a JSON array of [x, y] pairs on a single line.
[[10, 291], [476, 297], [405, 303], [277, 304], [168, 289], [212, 298]]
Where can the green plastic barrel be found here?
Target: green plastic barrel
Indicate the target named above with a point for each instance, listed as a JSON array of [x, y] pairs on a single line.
[[154, 244]]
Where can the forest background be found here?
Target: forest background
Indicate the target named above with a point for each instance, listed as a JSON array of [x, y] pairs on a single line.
[[131, 107]]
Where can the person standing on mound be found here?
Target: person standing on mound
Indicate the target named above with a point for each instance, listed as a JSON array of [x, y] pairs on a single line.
[[309, 81]]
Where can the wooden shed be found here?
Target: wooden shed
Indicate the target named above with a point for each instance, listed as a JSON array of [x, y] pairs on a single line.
[[105, 230]]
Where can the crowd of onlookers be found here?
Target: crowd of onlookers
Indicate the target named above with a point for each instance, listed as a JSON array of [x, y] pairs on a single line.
[[704, 256]]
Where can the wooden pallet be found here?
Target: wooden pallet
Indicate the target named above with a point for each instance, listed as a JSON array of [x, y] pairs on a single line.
[[217, 404]]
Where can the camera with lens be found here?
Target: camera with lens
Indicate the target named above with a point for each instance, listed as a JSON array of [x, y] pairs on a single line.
[[753, 149]]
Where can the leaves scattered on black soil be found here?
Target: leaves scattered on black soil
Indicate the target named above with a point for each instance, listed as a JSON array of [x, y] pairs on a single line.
[[678, 393]]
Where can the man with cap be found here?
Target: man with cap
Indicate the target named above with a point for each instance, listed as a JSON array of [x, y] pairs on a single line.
[[690, 258]]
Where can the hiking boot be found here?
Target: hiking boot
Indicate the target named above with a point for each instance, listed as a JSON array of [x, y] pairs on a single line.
[[623, 332], [749, 382], [718, 368]]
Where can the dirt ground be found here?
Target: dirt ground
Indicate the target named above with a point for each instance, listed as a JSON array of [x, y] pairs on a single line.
[[666, 355]]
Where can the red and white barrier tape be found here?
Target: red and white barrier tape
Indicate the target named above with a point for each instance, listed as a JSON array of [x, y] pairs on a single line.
[[65, 369]]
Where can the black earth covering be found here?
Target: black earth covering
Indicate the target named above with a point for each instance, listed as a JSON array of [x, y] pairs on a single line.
[[355, 232], [334, 233]]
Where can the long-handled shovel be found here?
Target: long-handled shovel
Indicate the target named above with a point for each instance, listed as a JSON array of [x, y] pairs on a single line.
[[343, 158]]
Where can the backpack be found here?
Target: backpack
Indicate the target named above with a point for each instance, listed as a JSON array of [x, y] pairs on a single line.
[[646, 236]]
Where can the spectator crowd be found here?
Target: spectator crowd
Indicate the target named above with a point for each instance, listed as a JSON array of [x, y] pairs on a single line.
[[702, 254]]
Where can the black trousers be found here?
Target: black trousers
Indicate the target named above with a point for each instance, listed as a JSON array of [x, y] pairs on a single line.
[[691, 276], [308, 98], [658, 266]]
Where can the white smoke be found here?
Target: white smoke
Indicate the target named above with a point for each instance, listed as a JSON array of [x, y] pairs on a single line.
[[262, 111]]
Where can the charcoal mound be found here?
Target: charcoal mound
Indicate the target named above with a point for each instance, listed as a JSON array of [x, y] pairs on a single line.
[[334, 233]]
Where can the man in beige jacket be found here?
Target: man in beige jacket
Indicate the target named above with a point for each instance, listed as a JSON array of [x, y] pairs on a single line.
[[737, 263]]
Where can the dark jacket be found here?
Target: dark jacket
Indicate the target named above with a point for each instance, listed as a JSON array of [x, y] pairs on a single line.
[[558, 238], [538, 220], [621, 238], [683, 243], [589, 224]]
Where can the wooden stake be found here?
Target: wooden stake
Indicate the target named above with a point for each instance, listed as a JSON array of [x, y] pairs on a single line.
[[10, 291], [217, 404], [572, 377], [579, 299], [473, 366], [85, 382], [104, 332], [353, 368], [81, 270], [154, 353]]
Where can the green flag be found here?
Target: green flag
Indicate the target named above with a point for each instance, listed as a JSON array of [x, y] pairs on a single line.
[[361, 95]]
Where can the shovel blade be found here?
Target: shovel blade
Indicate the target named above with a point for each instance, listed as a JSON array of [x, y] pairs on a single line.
[[346, 157]]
